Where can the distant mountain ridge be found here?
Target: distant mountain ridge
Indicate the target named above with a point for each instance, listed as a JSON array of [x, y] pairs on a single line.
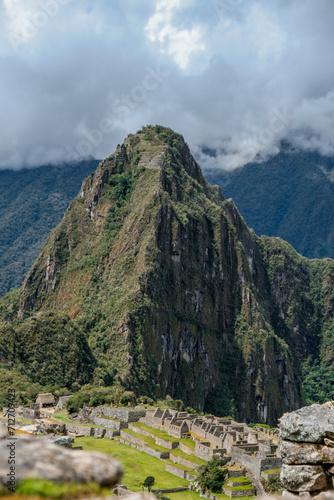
[[291, 195], [32, 202]]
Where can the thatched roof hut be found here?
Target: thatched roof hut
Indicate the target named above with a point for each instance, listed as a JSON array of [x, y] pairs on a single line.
[[45, 400]]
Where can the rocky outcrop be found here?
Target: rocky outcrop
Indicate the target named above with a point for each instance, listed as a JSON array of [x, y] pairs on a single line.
[[307, 450], [311, 424], [35, 458]]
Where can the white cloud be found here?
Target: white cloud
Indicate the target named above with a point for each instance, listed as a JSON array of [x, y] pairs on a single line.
[[220, 76], [180, 43]]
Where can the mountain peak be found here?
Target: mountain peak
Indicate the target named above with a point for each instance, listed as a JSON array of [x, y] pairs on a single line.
[[153, 281]]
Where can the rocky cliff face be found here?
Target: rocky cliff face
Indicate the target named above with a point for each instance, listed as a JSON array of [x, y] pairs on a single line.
[[154, 282]]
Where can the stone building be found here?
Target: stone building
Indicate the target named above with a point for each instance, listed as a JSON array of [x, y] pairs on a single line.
[[179, 428]]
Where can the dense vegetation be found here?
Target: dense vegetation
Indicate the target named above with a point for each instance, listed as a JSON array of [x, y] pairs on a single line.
[[211, 476], [291, 195], [32, 203]]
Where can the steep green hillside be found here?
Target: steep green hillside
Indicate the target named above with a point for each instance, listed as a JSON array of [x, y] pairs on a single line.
[[291, 196], [32, 203], [153, 282]]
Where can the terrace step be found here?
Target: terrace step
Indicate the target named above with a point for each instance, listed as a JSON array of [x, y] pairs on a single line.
[[236, 472], [239, 481], [238, 493]]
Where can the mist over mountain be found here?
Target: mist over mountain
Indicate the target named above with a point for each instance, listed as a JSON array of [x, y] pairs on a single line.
[[290, 195], [32, 202], [235, 75]]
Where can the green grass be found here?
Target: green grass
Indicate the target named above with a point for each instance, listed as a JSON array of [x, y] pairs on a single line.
[[164, 435], [189, 442], [238, 479], [64, 417], [59, 491], [148, 440], [184, 495], [156, 432], [137, 465], [181, 467], [236, 488], [195, 460], [272, 471]]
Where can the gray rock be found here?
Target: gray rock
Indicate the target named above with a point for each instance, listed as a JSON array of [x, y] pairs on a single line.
[[311, 424], [65, 441], [303, 477], [285, 494], [37, 459], [99, 433], [294, 453], [31, 429], [61, 404], [325, 495]]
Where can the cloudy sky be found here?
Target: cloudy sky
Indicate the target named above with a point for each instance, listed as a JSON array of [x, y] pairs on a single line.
[[234, 76]]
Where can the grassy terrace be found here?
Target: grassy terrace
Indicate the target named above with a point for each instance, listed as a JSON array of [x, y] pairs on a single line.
[[237, 488], [164, 435], [64, 417], [137, 465], [148, 440], [272, 471], [66, 420], [191, 458], [181, 467], [176, 452], [238, 479], [184, 495]]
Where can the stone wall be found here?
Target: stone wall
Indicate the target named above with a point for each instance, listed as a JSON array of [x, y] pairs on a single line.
[[80, 429], [239, 493], [109, 424], [141, 431], [30, 414], [121, 413], [183, 461], [185, 449], [61, 404], [307, 450], [204, 451], [177, 472], [145, 449], [88, 414], [254, 463], [166, 444], [133, 439]]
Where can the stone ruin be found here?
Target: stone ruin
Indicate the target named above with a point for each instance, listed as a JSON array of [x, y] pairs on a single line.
[[307, 450], [254, 449]]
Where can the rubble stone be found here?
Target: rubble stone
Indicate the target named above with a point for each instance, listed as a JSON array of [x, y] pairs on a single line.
[[37, 459], [306, 453], [298, 478], [311, 424]]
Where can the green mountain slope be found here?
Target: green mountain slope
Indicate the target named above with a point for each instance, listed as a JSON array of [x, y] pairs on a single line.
[[32, 203], [290, 195], [153, 282]]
